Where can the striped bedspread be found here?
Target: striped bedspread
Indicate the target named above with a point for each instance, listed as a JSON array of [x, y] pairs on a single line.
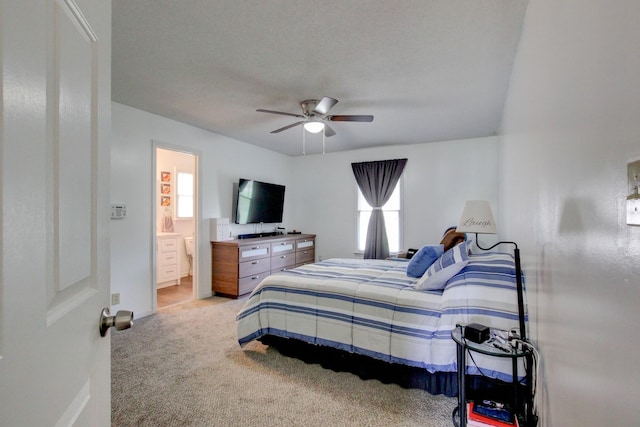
[[370, 307]]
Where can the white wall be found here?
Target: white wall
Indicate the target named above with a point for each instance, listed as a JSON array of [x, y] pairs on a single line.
[[320, 198], [437, 180], [222, 162], [571, 124]]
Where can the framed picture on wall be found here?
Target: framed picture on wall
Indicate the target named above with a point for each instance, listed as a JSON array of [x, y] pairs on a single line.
[[165, 176], [165, 201], [165, 188]]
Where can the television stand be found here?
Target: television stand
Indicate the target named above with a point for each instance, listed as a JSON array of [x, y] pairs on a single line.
[[237, 266]]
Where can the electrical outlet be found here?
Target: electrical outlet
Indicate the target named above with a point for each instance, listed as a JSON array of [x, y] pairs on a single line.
[[115, 299]]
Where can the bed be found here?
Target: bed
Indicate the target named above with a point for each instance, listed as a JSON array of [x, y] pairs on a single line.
[[372, 308]]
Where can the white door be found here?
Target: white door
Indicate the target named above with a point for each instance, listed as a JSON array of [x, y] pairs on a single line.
[[54, 195]]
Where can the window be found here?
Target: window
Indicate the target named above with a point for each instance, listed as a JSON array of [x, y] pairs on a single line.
[[391, 211], [184, 195]]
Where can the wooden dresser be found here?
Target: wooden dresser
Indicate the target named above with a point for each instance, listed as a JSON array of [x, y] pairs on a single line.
[[239, 265]]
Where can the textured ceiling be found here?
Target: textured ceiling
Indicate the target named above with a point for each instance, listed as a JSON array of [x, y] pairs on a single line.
[[428, 70]]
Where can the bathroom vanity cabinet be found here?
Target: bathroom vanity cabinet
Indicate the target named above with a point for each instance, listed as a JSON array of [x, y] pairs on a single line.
[[168, 259]]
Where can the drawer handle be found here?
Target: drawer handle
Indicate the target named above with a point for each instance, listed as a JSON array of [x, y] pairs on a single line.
[[255, 247], [255, 262], [283, 257], [255, 277]]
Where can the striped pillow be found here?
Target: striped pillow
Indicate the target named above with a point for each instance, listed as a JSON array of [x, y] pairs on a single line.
[[445, 267]]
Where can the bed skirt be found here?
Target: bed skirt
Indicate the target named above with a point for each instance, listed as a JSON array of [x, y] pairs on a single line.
[[366, 367]]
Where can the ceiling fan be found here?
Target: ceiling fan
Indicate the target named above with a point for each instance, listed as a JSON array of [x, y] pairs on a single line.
[[314, 113]]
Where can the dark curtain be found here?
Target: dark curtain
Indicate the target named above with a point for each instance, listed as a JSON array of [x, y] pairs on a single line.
[[377, 180]]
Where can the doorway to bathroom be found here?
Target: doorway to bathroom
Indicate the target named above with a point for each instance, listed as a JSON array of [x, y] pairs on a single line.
[[176, 218]]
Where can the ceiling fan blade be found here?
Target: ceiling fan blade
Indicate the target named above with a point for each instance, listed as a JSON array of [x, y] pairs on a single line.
[[328, 131], [325, 105], [287, 127], [300, 116], [350, 118]]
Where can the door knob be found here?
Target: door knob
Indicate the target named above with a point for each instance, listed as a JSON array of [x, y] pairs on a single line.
[[122, 320]]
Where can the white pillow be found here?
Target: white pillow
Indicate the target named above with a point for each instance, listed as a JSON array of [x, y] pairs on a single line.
[[445, 267]]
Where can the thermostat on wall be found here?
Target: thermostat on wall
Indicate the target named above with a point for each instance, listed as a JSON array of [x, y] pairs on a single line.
[[118, 211]]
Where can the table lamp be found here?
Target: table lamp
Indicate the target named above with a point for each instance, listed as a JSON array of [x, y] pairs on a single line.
[[477, 218]]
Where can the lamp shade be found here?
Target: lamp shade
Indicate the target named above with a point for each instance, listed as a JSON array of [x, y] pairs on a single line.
[[477, 217], [314, 126]]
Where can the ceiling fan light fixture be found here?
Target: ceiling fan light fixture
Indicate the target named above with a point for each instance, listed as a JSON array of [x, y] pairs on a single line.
[[314, 115], [314, 126]]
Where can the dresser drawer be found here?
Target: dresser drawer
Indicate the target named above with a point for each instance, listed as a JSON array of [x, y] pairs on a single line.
[[167, 272], [281, 262], [169, 258], [251, 268], [305, 244], [281, 248], [305, 256], [248, 284], [250, 252], [168, 245]]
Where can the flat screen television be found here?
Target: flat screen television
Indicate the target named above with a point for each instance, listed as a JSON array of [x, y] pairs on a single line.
[[259, 202]]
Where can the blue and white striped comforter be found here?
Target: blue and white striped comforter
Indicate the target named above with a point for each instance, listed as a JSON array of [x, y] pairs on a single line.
[[370, 307]]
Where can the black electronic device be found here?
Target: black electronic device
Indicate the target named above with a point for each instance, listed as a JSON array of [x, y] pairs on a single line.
[[259, 202], [476, 332], [411, 252], [255, 235]]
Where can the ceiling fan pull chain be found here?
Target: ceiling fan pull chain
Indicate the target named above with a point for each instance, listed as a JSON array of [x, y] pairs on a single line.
[[323, 137], [303, 141]]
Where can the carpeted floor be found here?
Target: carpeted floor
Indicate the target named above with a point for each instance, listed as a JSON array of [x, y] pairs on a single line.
[[184, 367]]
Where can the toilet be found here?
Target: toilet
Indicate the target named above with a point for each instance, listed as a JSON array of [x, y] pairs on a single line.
[[188, 247]]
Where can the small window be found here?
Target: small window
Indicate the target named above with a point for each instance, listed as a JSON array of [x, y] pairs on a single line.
[[184, 195], [391, 211]]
